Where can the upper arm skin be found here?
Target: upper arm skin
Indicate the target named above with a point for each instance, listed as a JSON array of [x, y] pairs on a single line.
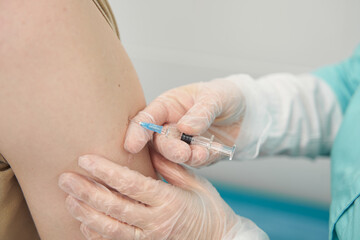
[[67, 88]]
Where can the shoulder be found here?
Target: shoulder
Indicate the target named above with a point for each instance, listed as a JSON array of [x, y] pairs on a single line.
[[25, 24]]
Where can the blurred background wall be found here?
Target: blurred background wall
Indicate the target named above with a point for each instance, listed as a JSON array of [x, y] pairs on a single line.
[[173, 43]]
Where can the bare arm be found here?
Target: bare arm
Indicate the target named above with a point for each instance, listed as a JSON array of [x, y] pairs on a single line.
[[67, 88]]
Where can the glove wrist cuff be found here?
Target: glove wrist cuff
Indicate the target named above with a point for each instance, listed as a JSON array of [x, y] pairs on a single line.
[[257, 120], [245, 229]]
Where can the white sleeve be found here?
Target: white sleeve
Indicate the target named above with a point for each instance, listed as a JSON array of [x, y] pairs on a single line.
[[287, 114]]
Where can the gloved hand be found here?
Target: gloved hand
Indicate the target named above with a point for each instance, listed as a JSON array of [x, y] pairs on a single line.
[[137, 207], [222, 107]]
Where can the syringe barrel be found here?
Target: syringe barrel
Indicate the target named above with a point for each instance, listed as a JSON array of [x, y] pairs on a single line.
[[214, 146], [173, 132], [224, 149], [202, 141]]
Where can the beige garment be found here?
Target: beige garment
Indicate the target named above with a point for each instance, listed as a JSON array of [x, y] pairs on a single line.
[[16, 222]]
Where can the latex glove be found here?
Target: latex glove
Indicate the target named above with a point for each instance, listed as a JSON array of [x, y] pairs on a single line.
[[212, 108], [137, 207]]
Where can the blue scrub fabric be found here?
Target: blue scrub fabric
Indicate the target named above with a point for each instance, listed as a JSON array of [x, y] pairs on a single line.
[[344, 79]]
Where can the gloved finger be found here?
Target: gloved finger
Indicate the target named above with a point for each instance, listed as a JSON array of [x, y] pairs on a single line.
[[137, 136], [202, 157], [103, 200], [128, 182], [172, 148], [173, 173], [199, 155], [99, 222], [180, 152], [90, 234], [156, 112], [168, 107], [199, 117]]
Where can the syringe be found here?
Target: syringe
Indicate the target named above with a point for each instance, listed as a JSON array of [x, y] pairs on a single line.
[[208, 143]]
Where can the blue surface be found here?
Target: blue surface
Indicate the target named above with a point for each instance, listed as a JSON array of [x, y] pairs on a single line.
[[280, 219]]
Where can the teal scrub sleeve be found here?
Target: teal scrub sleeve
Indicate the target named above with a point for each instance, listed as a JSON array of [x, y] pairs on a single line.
[[343, 78], [347, 227], [345, 176]]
